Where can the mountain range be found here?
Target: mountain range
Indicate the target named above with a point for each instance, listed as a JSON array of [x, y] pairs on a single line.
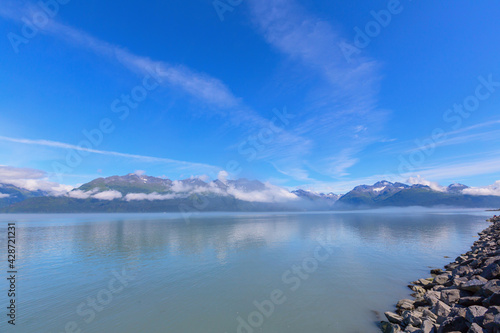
[[141, 193]]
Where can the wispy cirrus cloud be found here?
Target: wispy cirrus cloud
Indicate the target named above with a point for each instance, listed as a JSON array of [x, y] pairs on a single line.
[[199, 85], [212, 92], [147, 159], [485, 131], [342, 112], [429, 175]]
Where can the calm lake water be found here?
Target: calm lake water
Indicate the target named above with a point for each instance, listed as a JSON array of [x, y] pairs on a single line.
[[222, 272]]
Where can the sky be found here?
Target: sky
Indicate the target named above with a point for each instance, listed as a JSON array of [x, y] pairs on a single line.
[[303, 94]]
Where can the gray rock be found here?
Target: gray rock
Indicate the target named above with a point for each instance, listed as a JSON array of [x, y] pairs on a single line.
[[491, 260], [410, 318], [474, 263], [394, 318], [457, 281], [472, 285], [491, 272], [389, 328], [489, 317], [427, 284], [441, 309], [418, 289], [432, 297], [475, 328], [475, 313], [454, 324], [470, 300], [462, 270], [458, 312], [450, 296], [428, 327], [442, 279], [412, 329], [438, 287], [491, 287], [427, 314], [493, 300], [406, 304], [491, 322], [420, 301]]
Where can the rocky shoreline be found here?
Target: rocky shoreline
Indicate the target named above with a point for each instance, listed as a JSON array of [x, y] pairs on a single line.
[[465, 297]]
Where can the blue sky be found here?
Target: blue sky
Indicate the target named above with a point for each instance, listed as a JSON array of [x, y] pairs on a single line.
[[283, 91]]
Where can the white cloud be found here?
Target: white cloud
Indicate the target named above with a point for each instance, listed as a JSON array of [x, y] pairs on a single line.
[[421, 181], [222, 176], [199, 85], [150, 196], [461, 170], [474, 133], [203, 178], [32, 180], [209, 90], [79, 194], [342, 100], [139, 172], [493, 189], [8, 172], [337, 165], [142, 158], [271, 194], [108, 195], [4, 195]]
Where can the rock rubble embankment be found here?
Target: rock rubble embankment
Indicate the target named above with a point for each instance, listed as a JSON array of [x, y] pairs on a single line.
[[464, 297]]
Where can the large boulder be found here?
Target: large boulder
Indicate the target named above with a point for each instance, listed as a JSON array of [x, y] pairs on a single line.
[[442, 279], [493, 300], [428, 327], [492, 323], [492, 271], [412, 329], [394, 318], [406, 305], [432, 297], [441, 309], [475, 313], [475, 328], [386, 327], [412, 318], [491, 319], [470, 300], [462, 270], [450, 296], [427, 314], [454, 324], [491, 287], [473, 285]]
